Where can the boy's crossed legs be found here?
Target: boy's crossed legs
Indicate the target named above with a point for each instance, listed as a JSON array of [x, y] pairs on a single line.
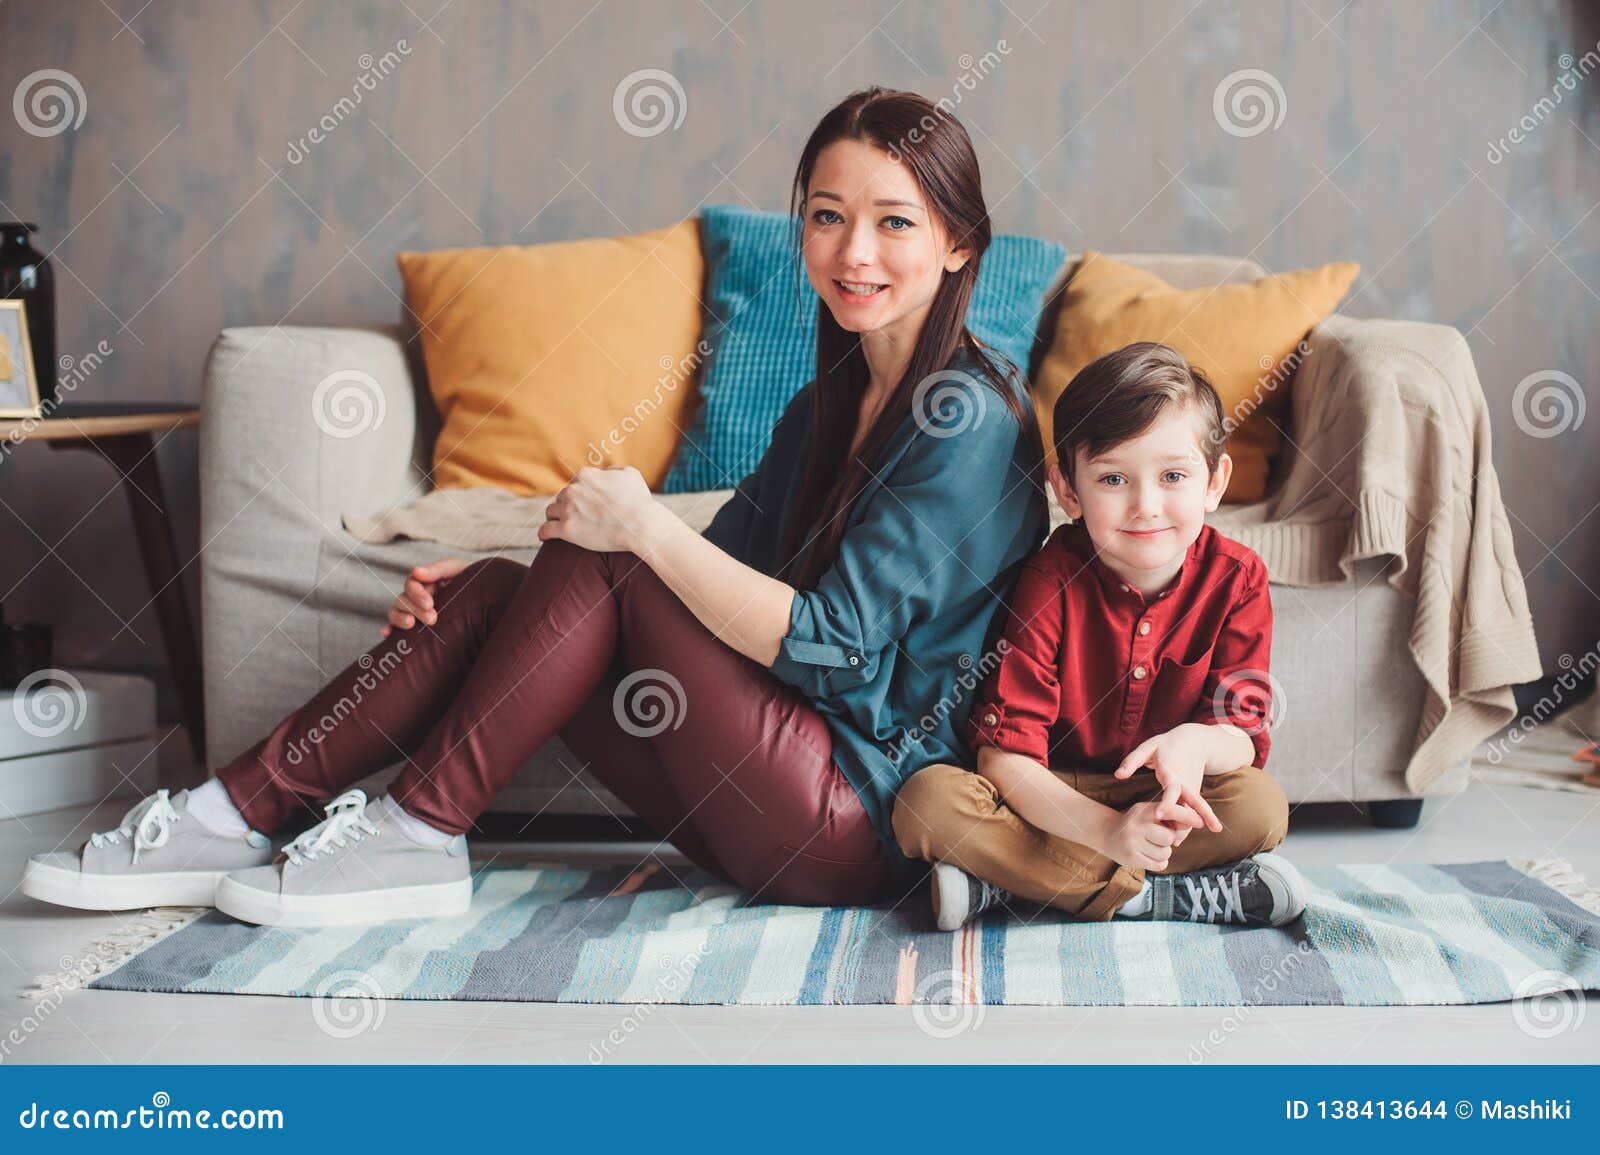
[[950, 814]]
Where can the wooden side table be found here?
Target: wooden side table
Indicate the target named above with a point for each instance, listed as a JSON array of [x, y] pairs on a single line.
[[125, 435]]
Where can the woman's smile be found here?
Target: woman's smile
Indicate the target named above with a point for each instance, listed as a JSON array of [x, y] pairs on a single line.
[[854, 291]]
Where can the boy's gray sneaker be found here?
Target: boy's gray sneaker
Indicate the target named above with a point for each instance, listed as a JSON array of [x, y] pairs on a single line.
[[352, 869], [958, 896], [159, 855], [1262, 890]]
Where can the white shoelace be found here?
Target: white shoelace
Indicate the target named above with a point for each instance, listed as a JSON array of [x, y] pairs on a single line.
[[346, 822], [148, 825], [1222, 900]]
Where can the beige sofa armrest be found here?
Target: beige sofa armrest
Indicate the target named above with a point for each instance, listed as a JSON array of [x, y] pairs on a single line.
[[313, 420], [273, 483], [1389, 457]]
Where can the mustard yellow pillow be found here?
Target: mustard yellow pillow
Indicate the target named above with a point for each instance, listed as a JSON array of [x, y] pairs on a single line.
[[1243, 337], [545, 358]]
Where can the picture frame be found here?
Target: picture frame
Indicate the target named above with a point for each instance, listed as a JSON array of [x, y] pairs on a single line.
[[19, 384]]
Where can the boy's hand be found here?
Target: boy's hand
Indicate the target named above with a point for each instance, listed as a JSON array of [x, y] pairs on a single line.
[[1140, 838], [1179, 758]]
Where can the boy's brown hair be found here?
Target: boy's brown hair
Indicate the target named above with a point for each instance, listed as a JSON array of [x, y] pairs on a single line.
[[1117, 397]]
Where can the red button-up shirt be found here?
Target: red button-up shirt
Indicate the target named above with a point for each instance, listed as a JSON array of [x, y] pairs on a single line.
[[1090, 668]]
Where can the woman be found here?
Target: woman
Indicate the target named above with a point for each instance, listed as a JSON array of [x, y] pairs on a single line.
[[814, 648]]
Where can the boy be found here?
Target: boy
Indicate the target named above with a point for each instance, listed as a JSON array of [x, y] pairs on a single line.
[[1137, 637]]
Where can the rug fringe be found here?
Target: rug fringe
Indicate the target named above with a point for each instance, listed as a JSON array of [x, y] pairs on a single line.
[[136, 932], [1559, 874]]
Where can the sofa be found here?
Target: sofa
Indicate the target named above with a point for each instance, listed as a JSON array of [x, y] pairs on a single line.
[[289, 597]]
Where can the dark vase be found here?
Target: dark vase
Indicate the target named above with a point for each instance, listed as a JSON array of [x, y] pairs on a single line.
[[26, 276]]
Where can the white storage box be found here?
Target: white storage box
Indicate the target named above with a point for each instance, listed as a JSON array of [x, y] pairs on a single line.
[[81, 737]]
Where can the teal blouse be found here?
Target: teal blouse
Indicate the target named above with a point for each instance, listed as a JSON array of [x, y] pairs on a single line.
[[892, 643]]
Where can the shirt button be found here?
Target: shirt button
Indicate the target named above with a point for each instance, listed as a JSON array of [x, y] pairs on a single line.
[[1144, 628], [1124, 587], [1138, 673], [990, 719], [854, 661]]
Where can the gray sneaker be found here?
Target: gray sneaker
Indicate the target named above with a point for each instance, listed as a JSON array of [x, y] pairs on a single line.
[[1262, 890], [159, 855], [958, 897], [351, 869]]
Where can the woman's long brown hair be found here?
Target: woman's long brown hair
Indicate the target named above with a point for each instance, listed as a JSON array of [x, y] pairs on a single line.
[[934, 146]]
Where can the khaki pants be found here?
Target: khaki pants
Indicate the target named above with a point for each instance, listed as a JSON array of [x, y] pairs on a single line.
[[951, 814]]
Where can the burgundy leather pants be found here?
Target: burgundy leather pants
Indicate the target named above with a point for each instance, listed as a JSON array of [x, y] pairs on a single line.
[[705, 745]]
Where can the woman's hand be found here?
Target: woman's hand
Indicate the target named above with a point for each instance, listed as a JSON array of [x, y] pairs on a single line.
[[415, 602], [1140, 837], [602, 510]]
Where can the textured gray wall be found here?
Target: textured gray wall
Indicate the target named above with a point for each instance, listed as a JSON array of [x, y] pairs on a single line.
[[182, 204]]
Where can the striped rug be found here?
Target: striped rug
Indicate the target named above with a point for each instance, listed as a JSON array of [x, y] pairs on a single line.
[[1373, 935]]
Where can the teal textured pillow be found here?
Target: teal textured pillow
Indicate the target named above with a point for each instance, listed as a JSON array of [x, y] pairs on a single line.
[[763, 324]]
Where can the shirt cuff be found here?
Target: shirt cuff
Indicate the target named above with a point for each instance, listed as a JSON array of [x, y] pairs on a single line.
[[992, 726], [819, 668]]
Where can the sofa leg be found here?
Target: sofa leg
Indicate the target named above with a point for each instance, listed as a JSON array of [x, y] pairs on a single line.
[[1396, 813]]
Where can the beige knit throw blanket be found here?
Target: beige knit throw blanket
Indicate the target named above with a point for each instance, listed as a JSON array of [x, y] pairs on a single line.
[[1387, 456]]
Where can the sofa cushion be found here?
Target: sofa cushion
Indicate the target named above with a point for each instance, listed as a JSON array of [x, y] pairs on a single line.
[[545, 358], [762, 333], [1245, 338]]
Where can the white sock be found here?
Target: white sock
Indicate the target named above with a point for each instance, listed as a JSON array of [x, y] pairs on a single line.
[[212, 806], [1138, 904], [414, 828]]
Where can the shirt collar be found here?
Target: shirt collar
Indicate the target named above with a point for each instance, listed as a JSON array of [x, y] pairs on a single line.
[[1076, 538]]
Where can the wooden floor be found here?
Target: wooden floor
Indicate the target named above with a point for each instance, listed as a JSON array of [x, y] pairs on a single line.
[[1484, 821]]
